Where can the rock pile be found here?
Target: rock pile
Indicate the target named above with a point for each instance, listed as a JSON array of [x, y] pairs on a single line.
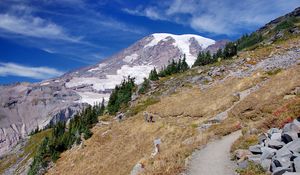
[[278, 150]]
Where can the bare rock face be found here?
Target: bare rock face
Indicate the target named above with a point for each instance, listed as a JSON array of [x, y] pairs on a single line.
[[218, 45], [24, 106]]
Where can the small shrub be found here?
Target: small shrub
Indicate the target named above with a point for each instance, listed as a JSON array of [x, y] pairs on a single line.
[[273, 72], [244, 142]]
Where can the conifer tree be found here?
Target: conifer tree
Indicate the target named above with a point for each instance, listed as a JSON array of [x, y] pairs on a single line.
[[184, 66], [153, 76]]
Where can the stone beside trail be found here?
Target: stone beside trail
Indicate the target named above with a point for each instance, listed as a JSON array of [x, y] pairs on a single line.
[[214, 158], [278, 151]]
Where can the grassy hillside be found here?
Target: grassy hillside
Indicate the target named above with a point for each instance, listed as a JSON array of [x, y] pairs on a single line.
[[181, 104]]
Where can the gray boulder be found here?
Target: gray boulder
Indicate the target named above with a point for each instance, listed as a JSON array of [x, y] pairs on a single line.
[[243, 164], [255, 158], [276, 136], [266, 164], [262, 138], [275, 144], [280, 171], [256, 149], [284, 152], [290, 127], [294, 146], [267, 153], [297, 164]]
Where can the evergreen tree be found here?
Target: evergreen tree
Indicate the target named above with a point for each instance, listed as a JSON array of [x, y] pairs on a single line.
[[230, 50], [144, 87], [153, 76], [102, 107], [184, 66], [120, 96], [248, 40], [219, 54]]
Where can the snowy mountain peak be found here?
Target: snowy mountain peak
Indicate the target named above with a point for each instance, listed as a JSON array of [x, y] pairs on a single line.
[[185, 43], [180, 40]]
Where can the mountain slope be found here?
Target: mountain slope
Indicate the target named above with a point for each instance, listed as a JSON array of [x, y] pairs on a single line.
[[185, 105], [24, 107], [192, 108]]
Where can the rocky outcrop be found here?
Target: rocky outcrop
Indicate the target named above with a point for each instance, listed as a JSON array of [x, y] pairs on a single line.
[[278, 150], [25, 107]]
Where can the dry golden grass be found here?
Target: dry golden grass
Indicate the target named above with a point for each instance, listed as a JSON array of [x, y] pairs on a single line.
[[196, 103], [115, 148], [125, 143], [260, 105], [177, 118]]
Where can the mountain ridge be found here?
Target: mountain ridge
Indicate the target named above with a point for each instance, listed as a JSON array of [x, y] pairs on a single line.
[[26, 106]]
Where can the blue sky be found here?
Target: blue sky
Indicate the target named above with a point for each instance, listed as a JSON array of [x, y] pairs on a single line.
[[40, 39]]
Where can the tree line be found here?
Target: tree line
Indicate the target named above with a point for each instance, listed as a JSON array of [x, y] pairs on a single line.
[[205, 58], [173, 67], [64, 136], [121, 95]]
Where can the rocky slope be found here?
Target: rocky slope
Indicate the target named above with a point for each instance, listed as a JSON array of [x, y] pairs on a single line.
[[24, 106]]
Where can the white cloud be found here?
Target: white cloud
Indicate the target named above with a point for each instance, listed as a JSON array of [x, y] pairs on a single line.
[[219, 16], [149, 12], [179, 6], [12, 69], [29, 25]]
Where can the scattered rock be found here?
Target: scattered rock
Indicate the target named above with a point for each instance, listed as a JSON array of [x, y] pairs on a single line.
[[266, 163], [297, 164], [256, 149], [287, 97], [267, 153], [278, 150], [137, 169], [275, 144], [280, 171], [242, 153], [248, 59], [296, 91], [243, 164]]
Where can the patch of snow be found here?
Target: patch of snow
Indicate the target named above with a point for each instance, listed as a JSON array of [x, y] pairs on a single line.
[[100, 66], [139, 72], [56, 81], [45, 83], [92, 98], [182, 42], [131, 58]]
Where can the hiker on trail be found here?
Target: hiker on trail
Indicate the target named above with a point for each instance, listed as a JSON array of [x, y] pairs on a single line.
[[151, 119], [146, 116]]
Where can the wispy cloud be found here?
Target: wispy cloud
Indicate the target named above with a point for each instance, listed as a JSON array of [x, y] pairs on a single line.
[[219, 16], [34, 27], [150, 12], [12, 69]]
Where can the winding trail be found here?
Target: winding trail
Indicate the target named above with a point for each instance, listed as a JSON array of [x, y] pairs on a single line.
[[214, 158]]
